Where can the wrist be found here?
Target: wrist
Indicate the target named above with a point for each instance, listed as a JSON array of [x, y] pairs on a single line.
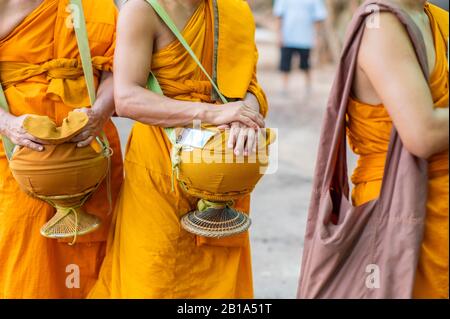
[[252, 101], [205, 112], [100, 115]]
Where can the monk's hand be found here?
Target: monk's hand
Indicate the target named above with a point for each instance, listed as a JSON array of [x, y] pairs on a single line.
[[239, 112], [94, 126], [242, 139], [12, 127]]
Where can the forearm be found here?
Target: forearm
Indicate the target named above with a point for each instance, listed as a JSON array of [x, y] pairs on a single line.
[[258, 96], [104, 104], [142, 105]]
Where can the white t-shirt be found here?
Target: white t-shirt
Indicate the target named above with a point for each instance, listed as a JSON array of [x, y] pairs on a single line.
[[299, 17]]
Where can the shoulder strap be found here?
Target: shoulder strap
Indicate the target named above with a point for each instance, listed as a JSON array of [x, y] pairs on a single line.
[[86, 60], [85, 55], [154, 86], [171, 25], [83, 47]]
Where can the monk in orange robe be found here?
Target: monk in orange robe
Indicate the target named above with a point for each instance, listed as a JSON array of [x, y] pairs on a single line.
[[150, 255], [390, 90], [41, 73]]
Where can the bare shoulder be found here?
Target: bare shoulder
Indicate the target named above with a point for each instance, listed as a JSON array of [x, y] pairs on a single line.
[[385, 39], [138, 13]]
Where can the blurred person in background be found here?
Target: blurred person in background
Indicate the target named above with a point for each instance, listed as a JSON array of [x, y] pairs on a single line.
[[441, 3], [299, 23]]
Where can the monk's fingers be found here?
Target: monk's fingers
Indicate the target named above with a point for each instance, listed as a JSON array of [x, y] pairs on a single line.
[[250, 146], [81, 137], [240, 143], [31, 145], [223, 127], [234, 133], [35, 140], [86, 142]]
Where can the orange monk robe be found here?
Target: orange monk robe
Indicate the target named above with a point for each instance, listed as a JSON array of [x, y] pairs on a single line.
[[369, 128], [150, 255], [41, 74]]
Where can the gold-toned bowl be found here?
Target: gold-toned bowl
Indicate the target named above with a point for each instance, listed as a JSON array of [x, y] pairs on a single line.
[[218, 177], [63, 175]]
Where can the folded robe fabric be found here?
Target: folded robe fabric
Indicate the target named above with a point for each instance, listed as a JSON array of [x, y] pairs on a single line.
[[61, 168], [150, 255], [41, 73], [43, 128], [369, 128], [369, 250]]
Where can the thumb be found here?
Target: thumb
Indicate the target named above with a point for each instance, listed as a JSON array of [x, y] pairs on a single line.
[[223, 127]]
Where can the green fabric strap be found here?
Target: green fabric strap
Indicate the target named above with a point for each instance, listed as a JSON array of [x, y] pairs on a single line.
[[171, 25], [86, 61], [85, 54], [154, 86], [83, 47]]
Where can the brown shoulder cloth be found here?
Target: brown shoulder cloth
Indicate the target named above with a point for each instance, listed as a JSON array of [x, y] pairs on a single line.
[[372, 251]]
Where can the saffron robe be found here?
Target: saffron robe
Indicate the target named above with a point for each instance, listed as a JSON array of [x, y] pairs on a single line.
[[369, 128], [149, 254], [41, 73]]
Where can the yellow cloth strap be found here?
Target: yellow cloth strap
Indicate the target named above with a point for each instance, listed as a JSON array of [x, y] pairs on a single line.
[[62, 68]]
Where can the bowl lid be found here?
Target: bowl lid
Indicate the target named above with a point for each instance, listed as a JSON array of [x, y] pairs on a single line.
[[43, 128]]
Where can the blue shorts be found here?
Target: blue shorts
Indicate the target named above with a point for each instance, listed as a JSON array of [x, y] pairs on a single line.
[[286, 58]]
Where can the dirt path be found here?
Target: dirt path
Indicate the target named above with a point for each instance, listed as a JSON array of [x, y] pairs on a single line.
[[280, 202]]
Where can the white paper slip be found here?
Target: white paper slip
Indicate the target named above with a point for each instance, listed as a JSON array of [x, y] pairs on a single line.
[[195, 137]]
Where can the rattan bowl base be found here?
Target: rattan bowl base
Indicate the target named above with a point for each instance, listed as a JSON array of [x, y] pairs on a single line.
[[216, 223], [70, 219], [60, 226]]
